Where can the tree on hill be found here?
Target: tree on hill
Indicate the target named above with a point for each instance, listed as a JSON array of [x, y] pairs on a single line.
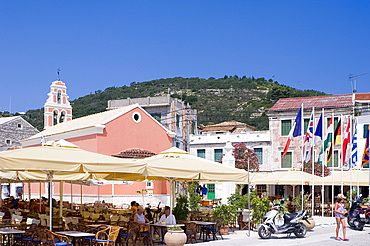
[[229, 98]]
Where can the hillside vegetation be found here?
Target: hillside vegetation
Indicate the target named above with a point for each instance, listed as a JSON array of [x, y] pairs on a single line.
[[230, 98]]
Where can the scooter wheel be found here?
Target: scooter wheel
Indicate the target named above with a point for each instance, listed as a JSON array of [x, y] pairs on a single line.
[[264, 233], [300, 230], [356, 224], [361, 226]]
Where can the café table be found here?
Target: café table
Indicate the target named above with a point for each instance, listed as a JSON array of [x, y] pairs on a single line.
[[204, 229], [77, 235], [163, 226], [9, 232]]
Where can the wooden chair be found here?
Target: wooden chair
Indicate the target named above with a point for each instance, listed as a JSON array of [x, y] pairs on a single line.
[[132, 233], [107, 236], [216, 230], [191, 231], [243, 219], [31, 236], [48, 237]]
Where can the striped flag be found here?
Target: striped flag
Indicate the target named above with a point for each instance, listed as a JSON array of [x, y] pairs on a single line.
[[337, 139], [328, 140], [365, 157], [354, 158], [294, 132], [307, 140], [346, 141], [316, 138]]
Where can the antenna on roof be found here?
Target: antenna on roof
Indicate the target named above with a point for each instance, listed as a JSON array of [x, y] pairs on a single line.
[[354, 78], [58, 72]]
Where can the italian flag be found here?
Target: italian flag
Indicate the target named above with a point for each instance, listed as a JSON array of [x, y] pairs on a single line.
[[327, 142]]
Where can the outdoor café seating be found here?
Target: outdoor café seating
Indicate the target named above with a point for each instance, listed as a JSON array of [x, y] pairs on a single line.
[[107, 236]]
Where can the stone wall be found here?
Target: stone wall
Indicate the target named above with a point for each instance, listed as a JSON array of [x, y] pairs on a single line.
[[15, 130]]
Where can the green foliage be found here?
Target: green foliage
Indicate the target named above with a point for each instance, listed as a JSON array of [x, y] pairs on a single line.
[[181, 209], [174, 228], [283, 207], [354, 194], [365, 200], [238, 201], [260, 207], [298, 201], [231, 97], [225, 213], [194, 197]]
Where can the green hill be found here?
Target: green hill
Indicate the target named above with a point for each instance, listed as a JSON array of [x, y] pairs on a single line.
[[229, 98]]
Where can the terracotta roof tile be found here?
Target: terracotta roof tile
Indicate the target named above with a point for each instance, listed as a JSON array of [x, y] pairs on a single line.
[[362, 96], [136, 153], [230, 126], [310, 102]]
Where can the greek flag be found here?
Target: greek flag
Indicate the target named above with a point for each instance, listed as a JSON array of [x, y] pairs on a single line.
[[354, 158]]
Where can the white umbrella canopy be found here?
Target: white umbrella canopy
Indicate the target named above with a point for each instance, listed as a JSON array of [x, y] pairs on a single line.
[[285, 178], [177, 164], [336, 178], [51, 159]]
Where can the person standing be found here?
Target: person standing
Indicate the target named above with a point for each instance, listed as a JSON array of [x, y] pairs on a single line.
[[204, 191], [340, 213]]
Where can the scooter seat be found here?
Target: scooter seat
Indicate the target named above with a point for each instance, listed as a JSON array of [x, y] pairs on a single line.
[[289, 217]]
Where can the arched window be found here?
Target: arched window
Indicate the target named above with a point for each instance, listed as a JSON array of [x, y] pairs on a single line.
[[62, 117], [59, 96], [55, 117]]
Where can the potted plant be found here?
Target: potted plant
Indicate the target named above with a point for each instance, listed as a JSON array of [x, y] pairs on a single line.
[[298, 204], [181, 209], [226, 214], [175, 236], [283, 210], [194, 197]]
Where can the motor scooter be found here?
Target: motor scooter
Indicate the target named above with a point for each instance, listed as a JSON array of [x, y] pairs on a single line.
[[356, 214], [292, 223], [367, 216]]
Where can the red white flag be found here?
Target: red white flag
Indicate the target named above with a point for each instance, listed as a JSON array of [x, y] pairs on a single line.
[[346, 141], [294, 132]]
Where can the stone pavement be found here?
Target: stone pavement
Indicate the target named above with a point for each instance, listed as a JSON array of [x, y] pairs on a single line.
[[322, 234]]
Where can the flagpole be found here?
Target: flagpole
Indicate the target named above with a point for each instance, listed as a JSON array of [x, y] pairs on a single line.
[[332, 167], [322, 171], [368, 153], [313, 162], [341, 155], [350, 158], [302, 128]]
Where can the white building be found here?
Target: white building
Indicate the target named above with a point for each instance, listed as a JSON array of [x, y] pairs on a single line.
[[211, 145]]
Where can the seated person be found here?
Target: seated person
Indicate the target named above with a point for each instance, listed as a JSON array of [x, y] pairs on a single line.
[[13, 203], [134, 206], [140, 218], [148, 213], [167, 218]]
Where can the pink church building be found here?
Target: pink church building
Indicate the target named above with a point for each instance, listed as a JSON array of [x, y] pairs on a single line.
[[109, 133]]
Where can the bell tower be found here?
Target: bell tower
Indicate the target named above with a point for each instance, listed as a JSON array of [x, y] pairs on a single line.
[[57, 108]]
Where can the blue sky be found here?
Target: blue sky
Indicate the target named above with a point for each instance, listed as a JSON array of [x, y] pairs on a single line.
[[99, 44]]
